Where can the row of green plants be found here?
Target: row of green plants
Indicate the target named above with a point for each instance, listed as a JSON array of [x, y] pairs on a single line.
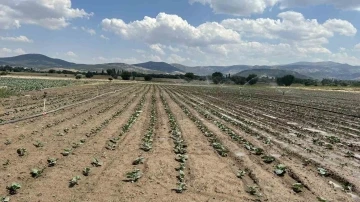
[[147, 140], [37, 172], [280, 169], [180, 147], [111, 144]]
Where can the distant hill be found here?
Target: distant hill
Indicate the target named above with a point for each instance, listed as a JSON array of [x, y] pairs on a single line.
[[317, 70], [35, 60], [159, 66], [271, 73]]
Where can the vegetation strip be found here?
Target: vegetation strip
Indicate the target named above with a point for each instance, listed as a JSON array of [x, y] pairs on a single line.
[[179, 147]]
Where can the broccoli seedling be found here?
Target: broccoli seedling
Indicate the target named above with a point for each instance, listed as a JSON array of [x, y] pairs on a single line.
[[86, 171], [21, 151], [13, 188], [74, 181], [297, 187], [52, 162], [181, 187], [134, 175], [96, 162], [138, 161], [268, 159], [241, 174], [35, 173], [280, 169]]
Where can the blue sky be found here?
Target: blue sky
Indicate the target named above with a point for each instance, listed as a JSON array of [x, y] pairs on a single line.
[[190, 32]]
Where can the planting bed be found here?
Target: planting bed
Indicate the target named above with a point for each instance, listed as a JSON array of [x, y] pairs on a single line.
[[149, 142]]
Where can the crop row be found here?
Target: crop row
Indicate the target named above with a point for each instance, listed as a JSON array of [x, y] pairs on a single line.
[[180, 147]]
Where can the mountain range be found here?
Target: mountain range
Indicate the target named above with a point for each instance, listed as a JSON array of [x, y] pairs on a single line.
[[317, 70]]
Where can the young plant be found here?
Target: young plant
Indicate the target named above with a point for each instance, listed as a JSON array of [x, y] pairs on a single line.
[[35, 173], [268, 159], [181, 176], [181, 158], [323, 172], [297, 187], [182, 167], [13, 188], [38, 144], [74, 181], [138, 161], [96, 163], [21, 151], [181, 187], [134, 175], [6, 163], [252, 190], [86, 171], [241, 174], [258, 151], [66, 152], [280, 169], [52, 162]]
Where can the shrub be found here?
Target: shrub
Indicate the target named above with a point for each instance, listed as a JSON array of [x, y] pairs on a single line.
[[125, 75], [148, 78], [78, 76]]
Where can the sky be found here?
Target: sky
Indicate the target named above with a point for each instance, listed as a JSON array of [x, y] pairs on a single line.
[[189, 32]]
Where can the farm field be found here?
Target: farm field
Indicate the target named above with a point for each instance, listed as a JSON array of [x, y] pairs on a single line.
[[115, 141]]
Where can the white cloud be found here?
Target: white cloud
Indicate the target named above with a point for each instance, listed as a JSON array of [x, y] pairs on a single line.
[[237, 7], [71, 54], [51, 14], [171, 29], [6, 52], [357, 46], [131, 60], [157, 48], [88, 30], [248, 7], [104, 37], [292, 27], [17, 39]]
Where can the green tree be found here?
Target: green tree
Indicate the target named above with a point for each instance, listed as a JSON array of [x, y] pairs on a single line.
[[148, 78], [238, 80], [189, 76], [89, 74], [125, 75], [109, 72], [51, 71], [217, 77], [252, 79]]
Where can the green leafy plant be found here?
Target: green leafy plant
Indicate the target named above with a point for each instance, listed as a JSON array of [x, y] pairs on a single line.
[[268, 159], [74, 181], [35, 173], [181, 158], [13, 188], [181, 167], [258, 151], [134, 175], [38, 144], [52, 162], [323, 172], [181, 187], [280, 169], [241, 174], [252, 190], [96, 162], [21, 151], [297, 187], [138, 161], [86, 171], [66, 152]]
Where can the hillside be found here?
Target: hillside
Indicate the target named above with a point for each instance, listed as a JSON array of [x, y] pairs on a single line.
[[159, 66], [317, 70], [35, 60], [271, 73]]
